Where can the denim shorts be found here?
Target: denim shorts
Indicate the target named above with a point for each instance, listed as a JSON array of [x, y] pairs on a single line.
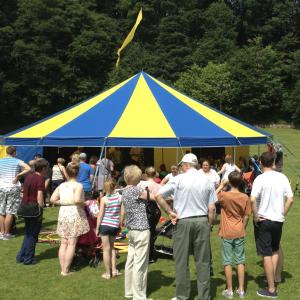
[[233, 251], [108, 230]]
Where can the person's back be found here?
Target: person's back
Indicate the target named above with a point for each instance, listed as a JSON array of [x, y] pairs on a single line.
[[67, 192], [192, 195], [234, 207], [271, 188], [112, 210], [271, 198], [33, 183], [9, 168], [194, 207], [85, 171]]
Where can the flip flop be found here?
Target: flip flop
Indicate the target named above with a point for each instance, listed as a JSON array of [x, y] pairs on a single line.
[[116, 273], [106, 276]]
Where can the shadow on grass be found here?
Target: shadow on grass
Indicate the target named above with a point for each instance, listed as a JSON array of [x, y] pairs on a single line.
[[214, 284], [261, 280], [49, 253], [235, 281], [157, 280]]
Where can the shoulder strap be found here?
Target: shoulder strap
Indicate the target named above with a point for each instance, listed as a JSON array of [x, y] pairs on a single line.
[[61, 172]]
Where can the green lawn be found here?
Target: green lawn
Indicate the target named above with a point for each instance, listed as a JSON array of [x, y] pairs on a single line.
[[43, 281]]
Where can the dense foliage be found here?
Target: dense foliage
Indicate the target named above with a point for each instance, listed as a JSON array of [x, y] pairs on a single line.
[[242, 56]]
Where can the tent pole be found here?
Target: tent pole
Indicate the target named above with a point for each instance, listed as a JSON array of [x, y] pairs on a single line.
[[234, 148], [177, 155], [97, 168], [180, 146]]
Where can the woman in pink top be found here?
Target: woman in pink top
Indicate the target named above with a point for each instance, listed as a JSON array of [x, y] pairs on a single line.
[[108, 226], [153, 211]]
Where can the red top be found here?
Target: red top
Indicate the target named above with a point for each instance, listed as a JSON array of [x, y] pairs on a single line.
[[32, 184]]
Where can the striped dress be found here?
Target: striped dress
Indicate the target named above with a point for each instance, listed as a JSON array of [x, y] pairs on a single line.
[[112, 210]]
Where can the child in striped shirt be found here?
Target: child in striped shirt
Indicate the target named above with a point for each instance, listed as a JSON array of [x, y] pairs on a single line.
[[108, 224]]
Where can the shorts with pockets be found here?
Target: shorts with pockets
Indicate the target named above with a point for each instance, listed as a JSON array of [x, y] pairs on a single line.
[[10, 199], [268, 237], [233, 251]]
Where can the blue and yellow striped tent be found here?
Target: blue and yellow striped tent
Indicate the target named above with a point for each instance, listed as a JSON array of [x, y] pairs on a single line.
[[142, 112]]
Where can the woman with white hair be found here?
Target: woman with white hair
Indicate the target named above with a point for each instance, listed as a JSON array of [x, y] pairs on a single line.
[[136, 268]]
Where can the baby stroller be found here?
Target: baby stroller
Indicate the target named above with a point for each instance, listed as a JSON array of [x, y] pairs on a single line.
[[162, 240], [89, 245]]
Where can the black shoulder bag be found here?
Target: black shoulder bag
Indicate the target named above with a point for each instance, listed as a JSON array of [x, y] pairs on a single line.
[[29, 209]]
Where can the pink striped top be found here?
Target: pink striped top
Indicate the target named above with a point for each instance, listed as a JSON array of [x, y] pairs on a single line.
[[112, 210]]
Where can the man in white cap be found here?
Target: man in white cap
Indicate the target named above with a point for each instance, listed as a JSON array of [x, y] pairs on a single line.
[[193, 215]]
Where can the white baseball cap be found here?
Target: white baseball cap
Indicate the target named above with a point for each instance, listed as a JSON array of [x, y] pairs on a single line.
[[189, 158]]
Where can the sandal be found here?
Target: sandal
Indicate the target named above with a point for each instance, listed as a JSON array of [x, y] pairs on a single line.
[[105, 276], [66, 274], [116, 273]]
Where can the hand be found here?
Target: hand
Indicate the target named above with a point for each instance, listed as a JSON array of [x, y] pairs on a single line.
[[15, 180], [257, 219], [173, 217]]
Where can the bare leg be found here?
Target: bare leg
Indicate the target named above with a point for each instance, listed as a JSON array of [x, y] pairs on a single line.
[[228, 275], [69, 255], [62, 253], [7, 223], [241, 276], [269, 270], [106, 253], [113, 255], [279, 268], [2, 221]]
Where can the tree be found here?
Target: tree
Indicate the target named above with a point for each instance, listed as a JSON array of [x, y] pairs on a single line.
[[258, 89], [211, 84], [219, 35]]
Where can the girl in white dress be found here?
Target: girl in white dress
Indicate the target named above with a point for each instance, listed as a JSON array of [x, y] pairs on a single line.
[[72, 220]]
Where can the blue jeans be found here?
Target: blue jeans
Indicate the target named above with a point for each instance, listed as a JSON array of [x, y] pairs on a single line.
[[32, 230]]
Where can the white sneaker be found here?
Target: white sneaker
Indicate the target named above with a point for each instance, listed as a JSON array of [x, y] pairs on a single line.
[[227, 294], [240, 294], [1, 236], [175, 298], [7, 237]]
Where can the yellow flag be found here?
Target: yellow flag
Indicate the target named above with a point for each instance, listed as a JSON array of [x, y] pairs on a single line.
[[130, 35]]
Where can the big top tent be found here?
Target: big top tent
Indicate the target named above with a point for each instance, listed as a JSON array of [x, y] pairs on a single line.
[[141, 112]]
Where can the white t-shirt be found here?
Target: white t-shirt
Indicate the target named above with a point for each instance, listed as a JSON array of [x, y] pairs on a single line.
[[270, 190], [212, 175], [228, 169], [169, 177]]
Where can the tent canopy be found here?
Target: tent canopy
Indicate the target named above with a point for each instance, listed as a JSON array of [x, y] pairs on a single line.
[[141, 112]]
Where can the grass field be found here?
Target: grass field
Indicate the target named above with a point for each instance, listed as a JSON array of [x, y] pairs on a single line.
[[42, 281]]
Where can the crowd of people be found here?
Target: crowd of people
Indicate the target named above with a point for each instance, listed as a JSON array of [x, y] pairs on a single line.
[[190, 194]]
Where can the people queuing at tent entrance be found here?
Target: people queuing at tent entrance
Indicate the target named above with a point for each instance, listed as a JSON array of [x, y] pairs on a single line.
[[98, 198]]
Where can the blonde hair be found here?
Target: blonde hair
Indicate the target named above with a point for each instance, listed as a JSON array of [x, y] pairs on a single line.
[[75, 158], [132, 175], [72, 170], [150, 172], [61, 161], [109, 186]]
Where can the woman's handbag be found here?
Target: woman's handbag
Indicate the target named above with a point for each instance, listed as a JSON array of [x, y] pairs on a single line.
[[29, 210], [152, 210]]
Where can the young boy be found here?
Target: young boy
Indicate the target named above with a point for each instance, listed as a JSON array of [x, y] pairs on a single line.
[[235, 209]]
